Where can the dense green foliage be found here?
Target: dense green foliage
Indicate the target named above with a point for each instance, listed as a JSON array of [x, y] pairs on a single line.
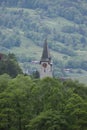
[[24, 25], [9, 65], [48, 104]]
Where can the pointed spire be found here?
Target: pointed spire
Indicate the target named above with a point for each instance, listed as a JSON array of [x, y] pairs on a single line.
[[45, 55]]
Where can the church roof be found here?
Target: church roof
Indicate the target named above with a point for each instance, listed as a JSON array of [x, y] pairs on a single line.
[[45, 54]]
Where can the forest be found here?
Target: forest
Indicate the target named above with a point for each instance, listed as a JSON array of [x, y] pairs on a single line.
[[27, 103], [24, 25], [30, 103]]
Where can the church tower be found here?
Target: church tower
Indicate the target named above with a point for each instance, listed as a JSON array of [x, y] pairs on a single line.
[[45, 62]]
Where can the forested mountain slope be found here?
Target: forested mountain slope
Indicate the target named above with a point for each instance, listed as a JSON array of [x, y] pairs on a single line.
[[24, 25]]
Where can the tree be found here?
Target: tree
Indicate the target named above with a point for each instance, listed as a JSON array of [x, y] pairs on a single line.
[[49, 120], [9, 65], [36, 74], [46, 104], [76, 113]]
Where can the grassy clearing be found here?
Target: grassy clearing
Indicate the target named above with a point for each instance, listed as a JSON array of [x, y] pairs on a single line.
[[57, 23], [82, 78]]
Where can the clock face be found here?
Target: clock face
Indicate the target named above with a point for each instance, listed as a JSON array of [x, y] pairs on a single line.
[[44, 65]]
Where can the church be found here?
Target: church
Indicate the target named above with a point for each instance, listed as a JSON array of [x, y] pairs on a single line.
[[45, 62]]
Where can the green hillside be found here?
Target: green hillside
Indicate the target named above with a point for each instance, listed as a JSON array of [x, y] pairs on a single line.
[[24, 25]]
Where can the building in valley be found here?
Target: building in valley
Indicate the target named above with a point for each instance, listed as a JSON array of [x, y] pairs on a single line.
[[45, 62]]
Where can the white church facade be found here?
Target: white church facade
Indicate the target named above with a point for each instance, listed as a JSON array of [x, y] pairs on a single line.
[[45, 62]]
